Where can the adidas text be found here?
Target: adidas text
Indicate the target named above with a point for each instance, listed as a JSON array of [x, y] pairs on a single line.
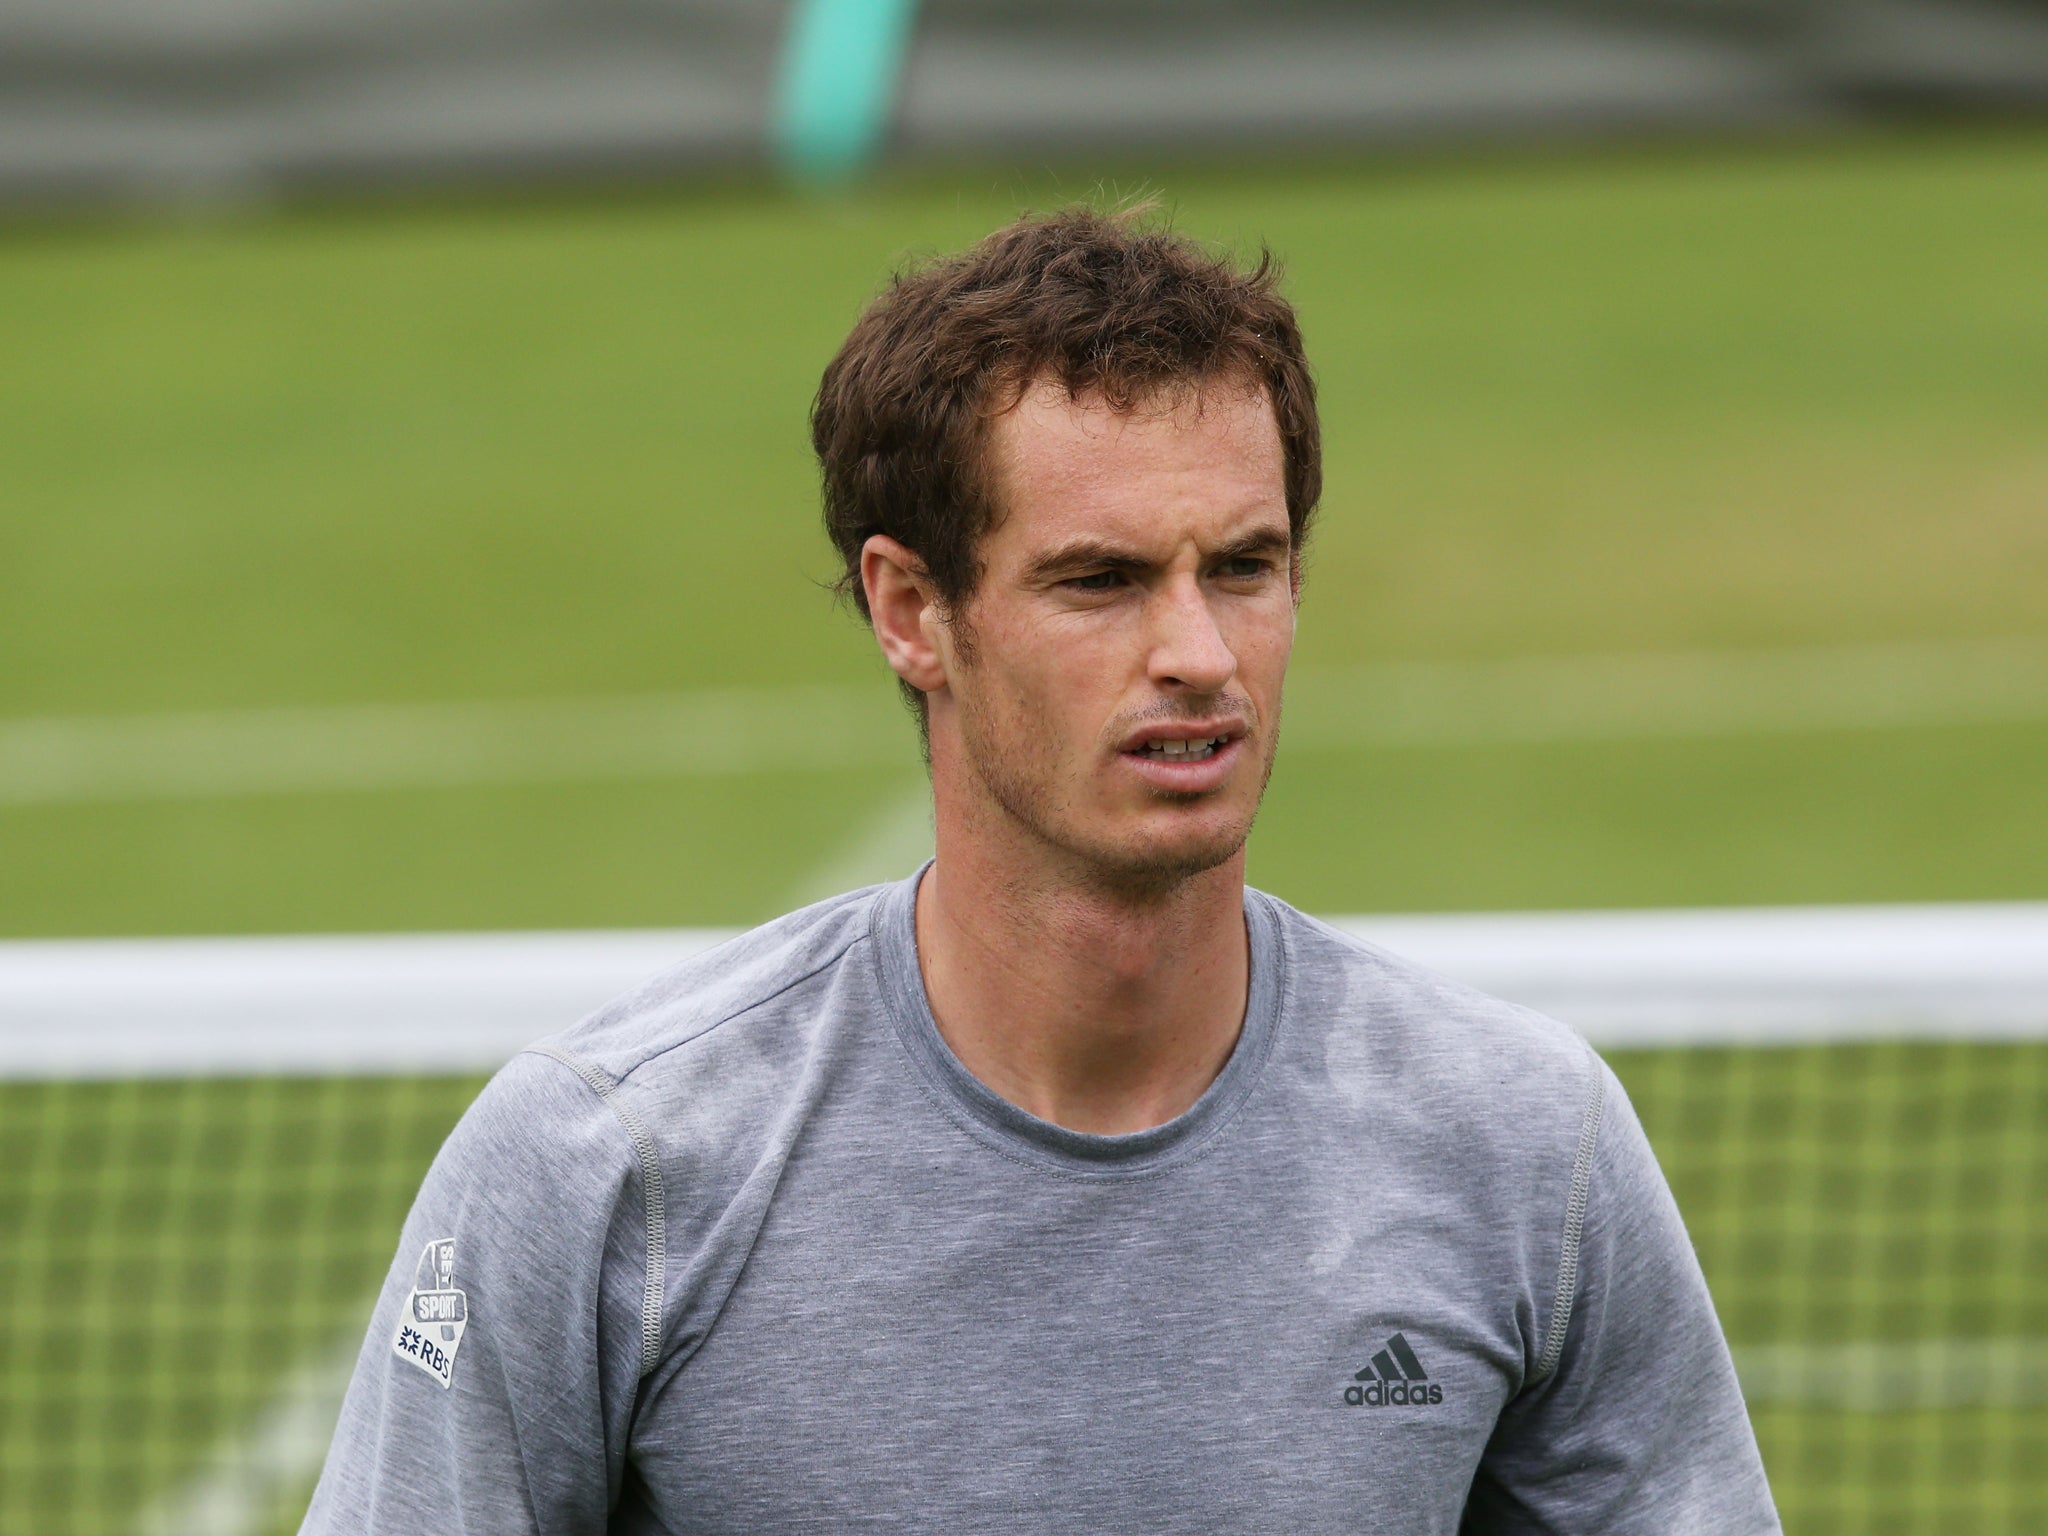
[[1397, 1394]]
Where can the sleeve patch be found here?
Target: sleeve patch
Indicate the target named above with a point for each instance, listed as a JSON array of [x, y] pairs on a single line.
[[431, 1324]]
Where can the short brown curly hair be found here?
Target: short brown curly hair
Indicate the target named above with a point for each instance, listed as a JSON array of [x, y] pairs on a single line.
[[1113, 304]]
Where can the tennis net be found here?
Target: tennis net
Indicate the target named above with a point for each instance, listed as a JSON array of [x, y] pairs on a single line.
[[207, 1146]]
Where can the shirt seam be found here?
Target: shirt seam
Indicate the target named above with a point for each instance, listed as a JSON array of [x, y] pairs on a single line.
[[655, 1281], [1574, 1226], [743, 1009]]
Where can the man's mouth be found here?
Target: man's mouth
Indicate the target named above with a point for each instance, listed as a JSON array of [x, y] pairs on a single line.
[[1193, 751]]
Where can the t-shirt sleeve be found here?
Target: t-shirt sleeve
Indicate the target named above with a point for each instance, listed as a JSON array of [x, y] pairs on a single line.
[[1639, 1429], [495, 1390]]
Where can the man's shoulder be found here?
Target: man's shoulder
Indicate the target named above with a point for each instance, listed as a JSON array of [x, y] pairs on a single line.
[[688, 1067], [1391, 1026], [722, 988]]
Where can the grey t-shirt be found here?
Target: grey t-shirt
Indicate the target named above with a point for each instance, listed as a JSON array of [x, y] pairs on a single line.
[[750, 1251]]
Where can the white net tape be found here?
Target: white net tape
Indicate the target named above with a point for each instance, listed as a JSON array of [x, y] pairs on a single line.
[[425, 1003]]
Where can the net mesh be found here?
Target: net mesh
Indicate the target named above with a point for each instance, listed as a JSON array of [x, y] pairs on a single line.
[[184, 1275], [186, 1267], [1873, 1218]]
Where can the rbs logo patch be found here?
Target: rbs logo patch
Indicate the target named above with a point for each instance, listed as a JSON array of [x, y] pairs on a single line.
[[430, 1326]]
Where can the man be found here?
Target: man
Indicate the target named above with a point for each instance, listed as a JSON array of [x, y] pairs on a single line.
[[1069, 1185]]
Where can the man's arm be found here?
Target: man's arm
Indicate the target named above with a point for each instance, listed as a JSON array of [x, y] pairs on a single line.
[[495, 1390], [1640, 1429]]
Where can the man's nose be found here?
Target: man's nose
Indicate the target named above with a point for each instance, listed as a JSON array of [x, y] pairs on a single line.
[[1188, 649]]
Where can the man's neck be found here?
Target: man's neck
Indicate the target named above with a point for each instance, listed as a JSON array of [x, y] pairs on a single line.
[[1095, 1009]]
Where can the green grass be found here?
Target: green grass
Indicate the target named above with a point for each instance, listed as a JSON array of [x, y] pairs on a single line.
[[1754, 398], [177, 1248]]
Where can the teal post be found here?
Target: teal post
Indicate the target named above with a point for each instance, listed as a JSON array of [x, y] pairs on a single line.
[[840, 64]]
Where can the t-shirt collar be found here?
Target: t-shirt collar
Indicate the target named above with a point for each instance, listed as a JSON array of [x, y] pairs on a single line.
[[1017, 1132]]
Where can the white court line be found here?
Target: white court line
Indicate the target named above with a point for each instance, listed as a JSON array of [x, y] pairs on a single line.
[[1669, 694], [229, 753], [1898, 1376], [424, 746], [887, 846], [252, 1477]]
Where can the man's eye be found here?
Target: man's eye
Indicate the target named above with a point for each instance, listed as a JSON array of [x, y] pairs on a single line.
[[1094, 581], [1244, 565]]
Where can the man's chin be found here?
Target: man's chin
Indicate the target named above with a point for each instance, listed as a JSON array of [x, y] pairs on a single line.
[[1153, 867]]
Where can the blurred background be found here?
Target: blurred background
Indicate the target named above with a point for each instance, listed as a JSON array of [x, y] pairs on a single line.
[[407, 525]]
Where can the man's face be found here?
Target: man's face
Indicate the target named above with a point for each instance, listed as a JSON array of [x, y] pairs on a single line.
[[1115, 686]]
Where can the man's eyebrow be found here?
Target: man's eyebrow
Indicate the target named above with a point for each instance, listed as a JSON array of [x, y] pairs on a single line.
[[1101, 555], [1260, 541], [1084, 554]]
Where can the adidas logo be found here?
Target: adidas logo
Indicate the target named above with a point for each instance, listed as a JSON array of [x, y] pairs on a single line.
[[1395, 1379]]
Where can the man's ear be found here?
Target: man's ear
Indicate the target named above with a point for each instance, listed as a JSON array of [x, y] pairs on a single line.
[[904, 611]]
